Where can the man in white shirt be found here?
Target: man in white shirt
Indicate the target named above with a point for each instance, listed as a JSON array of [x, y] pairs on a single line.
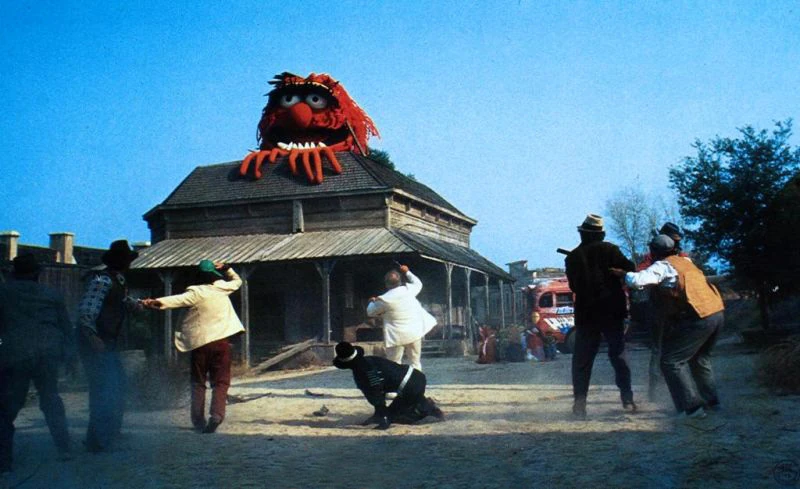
[[693, 314], [405, 322]]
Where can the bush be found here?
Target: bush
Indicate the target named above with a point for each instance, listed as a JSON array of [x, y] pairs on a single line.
[[780, 366]]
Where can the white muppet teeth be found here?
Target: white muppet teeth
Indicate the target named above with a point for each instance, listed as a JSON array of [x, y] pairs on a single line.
[[309, 145]]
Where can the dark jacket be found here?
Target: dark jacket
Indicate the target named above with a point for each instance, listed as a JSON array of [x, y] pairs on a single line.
[[375, 376], [33, 322], [104, 307], [599, 296]]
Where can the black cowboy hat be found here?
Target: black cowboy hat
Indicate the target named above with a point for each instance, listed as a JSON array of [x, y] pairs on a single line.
[[25, 265], [119, 255], [346, 353], [671, 229]]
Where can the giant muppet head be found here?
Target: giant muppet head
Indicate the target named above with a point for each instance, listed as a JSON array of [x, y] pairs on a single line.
[[309, 119]]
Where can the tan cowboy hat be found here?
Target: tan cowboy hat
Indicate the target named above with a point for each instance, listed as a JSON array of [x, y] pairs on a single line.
[[592, 224]]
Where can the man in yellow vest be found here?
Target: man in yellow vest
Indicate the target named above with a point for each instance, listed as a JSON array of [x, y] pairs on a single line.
[[692, 311]]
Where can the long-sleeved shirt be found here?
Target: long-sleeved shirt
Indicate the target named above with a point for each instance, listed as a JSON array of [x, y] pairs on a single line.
[[598, 293], [95, 296], [404, 319], [375, 376], [210, 315], [660, 273], [689, 293]]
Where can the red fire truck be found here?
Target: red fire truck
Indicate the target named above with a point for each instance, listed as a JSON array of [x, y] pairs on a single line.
[[551, 309]]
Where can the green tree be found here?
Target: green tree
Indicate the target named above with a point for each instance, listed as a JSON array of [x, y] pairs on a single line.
[[725, 192], [383, 158], [783, 251]]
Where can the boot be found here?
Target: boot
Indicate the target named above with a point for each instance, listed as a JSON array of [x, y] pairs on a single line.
[[579, 409]]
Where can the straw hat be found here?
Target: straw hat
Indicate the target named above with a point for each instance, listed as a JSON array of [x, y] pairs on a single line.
[[592, 224]]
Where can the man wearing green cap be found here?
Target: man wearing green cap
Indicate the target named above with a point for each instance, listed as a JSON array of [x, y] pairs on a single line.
[[205, 331]]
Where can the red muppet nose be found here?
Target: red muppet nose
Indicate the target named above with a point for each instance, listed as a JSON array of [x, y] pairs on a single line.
[[300, 114]]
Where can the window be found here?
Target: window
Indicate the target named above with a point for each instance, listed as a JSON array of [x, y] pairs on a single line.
[[564, 299], [546, 300]]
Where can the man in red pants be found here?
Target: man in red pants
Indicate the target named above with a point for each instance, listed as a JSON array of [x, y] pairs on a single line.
[[205, 332]]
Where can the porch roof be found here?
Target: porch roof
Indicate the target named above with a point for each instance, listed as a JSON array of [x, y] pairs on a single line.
[[345, 243]]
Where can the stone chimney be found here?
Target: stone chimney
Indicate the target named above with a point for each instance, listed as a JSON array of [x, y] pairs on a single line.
[[8, 245], [63, 244]]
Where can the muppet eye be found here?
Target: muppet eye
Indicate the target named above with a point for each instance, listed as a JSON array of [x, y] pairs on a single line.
[[289, 100], [316, 101]]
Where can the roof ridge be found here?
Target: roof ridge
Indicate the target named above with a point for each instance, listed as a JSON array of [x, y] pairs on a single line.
[[360, 159], [175, 190], [412, 182]]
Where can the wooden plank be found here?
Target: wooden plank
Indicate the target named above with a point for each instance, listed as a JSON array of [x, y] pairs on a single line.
[[282, 225], [430, 229], [294, 350], [349, 203]]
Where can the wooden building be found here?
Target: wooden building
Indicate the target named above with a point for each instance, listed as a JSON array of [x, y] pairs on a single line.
[[64, 265], [311, 256]]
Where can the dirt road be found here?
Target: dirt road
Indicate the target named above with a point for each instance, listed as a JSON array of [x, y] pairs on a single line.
[[507, 427]]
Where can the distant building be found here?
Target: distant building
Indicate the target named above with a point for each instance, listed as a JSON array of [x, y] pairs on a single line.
[[311, 256], [63, 263]]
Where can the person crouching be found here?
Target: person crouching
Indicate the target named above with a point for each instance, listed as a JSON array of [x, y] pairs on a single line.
[[376, 376]]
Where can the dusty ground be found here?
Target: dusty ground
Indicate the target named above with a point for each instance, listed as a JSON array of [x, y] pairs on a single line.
[[507, 427]]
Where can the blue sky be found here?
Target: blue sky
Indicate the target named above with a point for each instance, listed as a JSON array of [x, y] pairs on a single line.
[[524, 115]]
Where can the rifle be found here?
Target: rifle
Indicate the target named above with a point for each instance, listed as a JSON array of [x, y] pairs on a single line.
[[563, 251]]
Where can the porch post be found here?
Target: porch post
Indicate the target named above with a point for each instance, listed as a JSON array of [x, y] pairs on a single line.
[[486, 291], [324, 269], [448, 329], [513, 303], [468, 307], [244, 311], [500, 285], [167, 277]]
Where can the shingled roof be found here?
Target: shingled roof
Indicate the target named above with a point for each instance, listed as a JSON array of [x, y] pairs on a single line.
[[221, 183]]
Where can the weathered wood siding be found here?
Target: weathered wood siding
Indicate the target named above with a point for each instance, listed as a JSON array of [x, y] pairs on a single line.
[[416, 217], [319, 214], [272, 218], [361, 211]]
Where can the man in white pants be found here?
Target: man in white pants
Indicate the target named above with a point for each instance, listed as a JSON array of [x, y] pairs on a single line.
[[405, 322]]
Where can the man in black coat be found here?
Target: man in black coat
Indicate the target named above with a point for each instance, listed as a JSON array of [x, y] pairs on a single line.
[[600, 309], [35, 337], [375, 376]]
